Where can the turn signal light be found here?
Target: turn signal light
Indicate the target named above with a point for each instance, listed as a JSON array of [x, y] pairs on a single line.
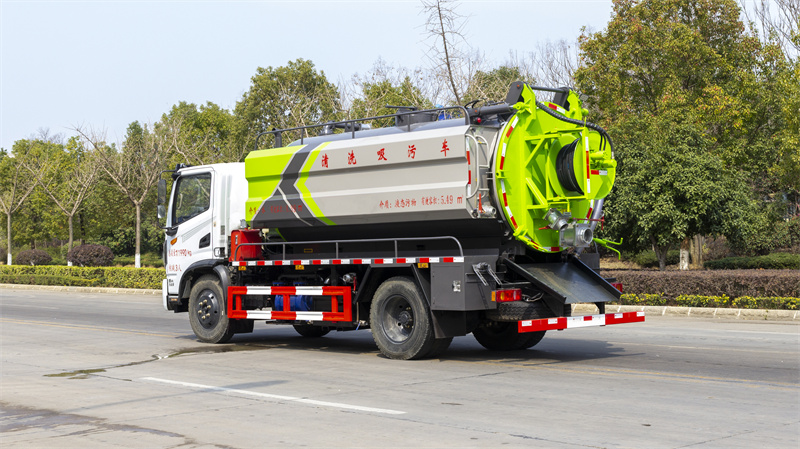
[[512, 294]]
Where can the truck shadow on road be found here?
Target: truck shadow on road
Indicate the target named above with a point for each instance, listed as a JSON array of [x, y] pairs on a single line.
[[462, 349]]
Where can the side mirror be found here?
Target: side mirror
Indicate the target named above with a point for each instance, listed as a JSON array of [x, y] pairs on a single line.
[[162, 194], [162, 211]]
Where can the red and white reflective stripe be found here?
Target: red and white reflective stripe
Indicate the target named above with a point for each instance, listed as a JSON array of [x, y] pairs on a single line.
[[557, 108], [503, 155], [588, 170], [511, 128], [469, 166], [235, 303], [505, 203], [399, 260], [607, 319]]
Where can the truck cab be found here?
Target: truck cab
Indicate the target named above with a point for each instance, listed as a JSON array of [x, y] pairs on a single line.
[[205, 204]]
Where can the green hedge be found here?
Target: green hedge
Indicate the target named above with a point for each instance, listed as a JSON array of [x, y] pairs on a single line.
[[774, 261], [730, 283], [82, 276], [742, 302]]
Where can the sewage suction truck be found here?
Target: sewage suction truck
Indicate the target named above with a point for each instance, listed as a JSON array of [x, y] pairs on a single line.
[[446, 222]]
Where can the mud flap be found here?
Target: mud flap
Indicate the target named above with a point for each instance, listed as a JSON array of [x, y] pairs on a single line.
[[567, 283]]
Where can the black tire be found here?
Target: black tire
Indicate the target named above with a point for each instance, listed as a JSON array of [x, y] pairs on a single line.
[[499, 336], [311, 331], [208, 312], [518, 311], [401, 320]]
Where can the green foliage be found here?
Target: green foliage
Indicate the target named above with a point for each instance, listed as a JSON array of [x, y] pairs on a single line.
[[493, 85], [648, 259], [703, 301], [667, 188], [730, 283], [200, 134], [690, 99], [775, 261], [149, 278], [378, 91], [33, 257], [284, 97], [148, 260], [91, 256], [723, 301], [642, 299]]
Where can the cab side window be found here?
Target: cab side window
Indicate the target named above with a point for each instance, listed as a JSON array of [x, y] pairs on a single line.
[[192, 197]]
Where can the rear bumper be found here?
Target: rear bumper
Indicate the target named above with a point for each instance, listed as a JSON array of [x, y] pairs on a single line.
[[561, 323]]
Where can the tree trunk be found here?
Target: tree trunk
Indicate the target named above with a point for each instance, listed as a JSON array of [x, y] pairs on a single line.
[[8, 216], [138, 257], [69, 248], [661, 254], [697, 250], [686, 244]]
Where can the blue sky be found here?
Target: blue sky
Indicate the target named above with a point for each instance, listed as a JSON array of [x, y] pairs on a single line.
[[106, 64]]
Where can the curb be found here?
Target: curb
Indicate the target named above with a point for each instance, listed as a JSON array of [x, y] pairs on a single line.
[[697, 312], [691, 312], [59, 288]]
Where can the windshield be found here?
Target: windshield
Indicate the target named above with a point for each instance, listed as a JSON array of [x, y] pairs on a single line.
[[192, 197]]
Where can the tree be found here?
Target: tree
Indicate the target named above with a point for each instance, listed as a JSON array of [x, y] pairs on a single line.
[[284, 97], [16, 184], [493, 85], [67, 175], [200, 135], [668, 191], [660, 63], [449, 53], [381, 87], [134, 170]]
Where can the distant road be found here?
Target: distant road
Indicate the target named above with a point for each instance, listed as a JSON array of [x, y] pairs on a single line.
[[112, 370]]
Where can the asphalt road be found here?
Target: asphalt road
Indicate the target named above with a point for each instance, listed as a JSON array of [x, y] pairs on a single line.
[[103, 370]]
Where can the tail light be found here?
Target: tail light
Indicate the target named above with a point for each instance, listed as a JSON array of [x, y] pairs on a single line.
[[618, 286], [511, 294]]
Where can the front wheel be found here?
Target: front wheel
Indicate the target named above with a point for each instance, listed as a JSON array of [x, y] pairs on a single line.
[[401, 321], [208, 315]]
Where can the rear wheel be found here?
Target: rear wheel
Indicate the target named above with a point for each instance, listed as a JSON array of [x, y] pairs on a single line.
[[499, 336], [401, 321], [311, 331], [208, 312]]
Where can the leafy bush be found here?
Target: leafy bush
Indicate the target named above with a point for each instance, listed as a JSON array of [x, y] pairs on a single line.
[[648, 259], [91, 256], [643, 299], [33, 257], [742, 302], [730, 283], [774, 261], [148, 260], [83, 276]]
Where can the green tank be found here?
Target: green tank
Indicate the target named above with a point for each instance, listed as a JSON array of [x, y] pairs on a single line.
[[523, 168]]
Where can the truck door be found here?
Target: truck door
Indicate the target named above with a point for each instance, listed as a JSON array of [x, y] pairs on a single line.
[[190, 225]]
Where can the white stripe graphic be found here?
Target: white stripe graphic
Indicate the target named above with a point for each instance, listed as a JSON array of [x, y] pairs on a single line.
[[234, 391]]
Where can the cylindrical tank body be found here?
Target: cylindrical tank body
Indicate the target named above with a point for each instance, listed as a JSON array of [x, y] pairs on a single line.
[[432, 179]]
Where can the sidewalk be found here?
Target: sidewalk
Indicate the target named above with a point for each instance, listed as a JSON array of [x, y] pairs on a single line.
[[578, 309]]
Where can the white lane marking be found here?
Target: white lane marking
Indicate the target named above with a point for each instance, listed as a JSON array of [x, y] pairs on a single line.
[[357, 408]]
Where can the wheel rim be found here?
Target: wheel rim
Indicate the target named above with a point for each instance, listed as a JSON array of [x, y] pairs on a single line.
[[398, 319], [208, 309]]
